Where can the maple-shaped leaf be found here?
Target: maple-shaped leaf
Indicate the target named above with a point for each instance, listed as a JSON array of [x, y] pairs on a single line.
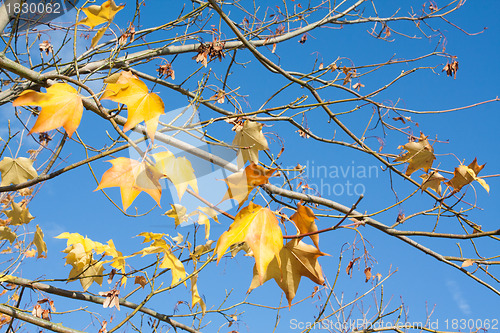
[[178, 169], [84, 267], [304, 220], [178, 213], [259, 228], [16, 171], [464, 175], [8, 234], [419, 155], [175, 265], [126, 88], [240, 184], [118, 260], [195, 296], [249, 139], [19, 214], [151, 236], [61, 106], [41, 247], [97, 15], [132, 177], [169, 260], [297, 260], [88, 244], [140, 280], [432, 181], [204, 216]]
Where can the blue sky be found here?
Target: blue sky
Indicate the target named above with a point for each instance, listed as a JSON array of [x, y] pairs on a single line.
[[68, 202]]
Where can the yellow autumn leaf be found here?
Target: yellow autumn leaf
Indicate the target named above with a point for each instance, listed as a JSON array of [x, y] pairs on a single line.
[[249, 139], [16, 171], [195, 296], [178, 169], [41, 247], [464, 175], [141, 104], [297, 260], [432, 181], [8, 234], [84, 267], [259, 228], [97, 15], [151, 236], [240, 184], [178, 213], [61, 106], [204, 216], [175, 265], [419, 155], [18, 214], [132, 177]]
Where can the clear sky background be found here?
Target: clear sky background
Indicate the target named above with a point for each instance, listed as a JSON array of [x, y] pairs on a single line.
[[68, 202]]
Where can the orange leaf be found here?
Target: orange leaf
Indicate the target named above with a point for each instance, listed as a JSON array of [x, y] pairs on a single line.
[[259, 228], [132, 177], [240, 184], [297, 259], [61, 106], [464, 175], [420, 155], [304, 220], [127, 89]]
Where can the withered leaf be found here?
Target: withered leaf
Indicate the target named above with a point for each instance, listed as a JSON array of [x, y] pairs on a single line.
[[419, 155]]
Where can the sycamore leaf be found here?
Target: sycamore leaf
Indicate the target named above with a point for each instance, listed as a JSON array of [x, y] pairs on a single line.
[[118, 259], [175, 265], [420, 155], [432, 181], [259, 228], [84, 267], [304, 220], [297, 259], [150, 236], [132, 177], [100, 33], [464, 175], [204, 216], [97, 15], [61, 106], [6, 233], [127, 89], [169, 260], [178, 212], [249, 139], [18, 215], [178, 169], [40, 243], [240, 184], [195, 296], [16, 171], [87, 243], [178, 239], [140, 280]]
